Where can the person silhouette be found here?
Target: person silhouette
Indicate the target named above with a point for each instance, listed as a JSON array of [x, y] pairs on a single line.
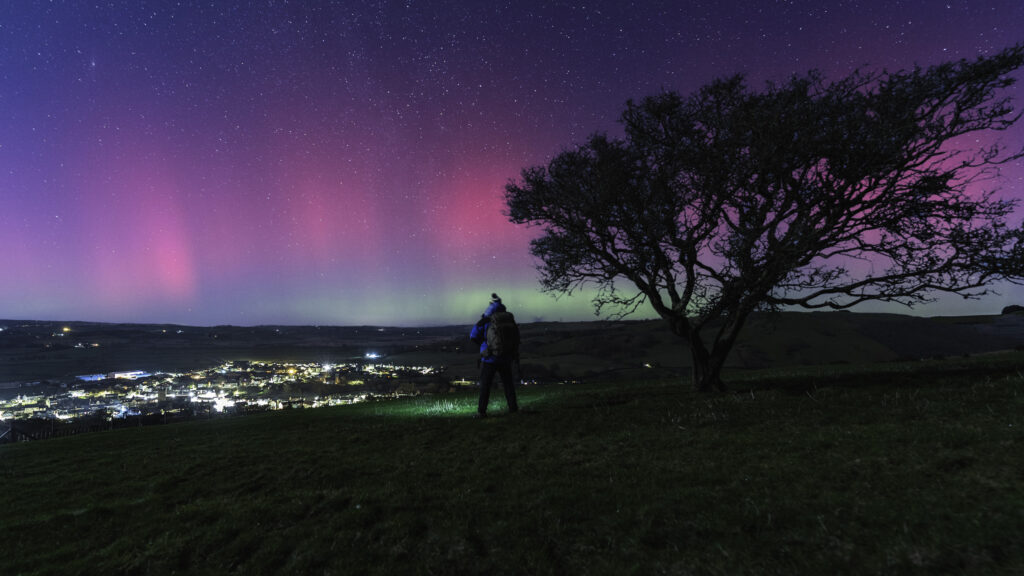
[[498, 356]]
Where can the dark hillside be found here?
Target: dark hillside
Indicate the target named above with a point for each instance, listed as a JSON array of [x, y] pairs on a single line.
[[631, 349], [902, 468], [550, 351]]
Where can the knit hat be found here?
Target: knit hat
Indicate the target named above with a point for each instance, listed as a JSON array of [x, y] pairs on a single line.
[[495, 299]]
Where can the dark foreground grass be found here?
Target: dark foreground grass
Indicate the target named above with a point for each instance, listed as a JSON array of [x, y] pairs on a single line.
[[913, 469]]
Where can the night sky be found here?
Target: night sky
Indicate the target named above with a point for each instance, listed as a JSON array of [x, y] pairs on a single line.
[[344, 162]]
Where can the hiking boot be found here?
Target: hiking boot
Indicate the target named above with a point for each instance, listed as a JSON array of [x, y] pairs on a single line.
[[479, 415]]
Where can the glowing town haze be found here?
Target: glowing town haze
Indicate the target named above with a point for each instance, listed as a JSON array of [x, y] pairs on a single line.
[[343, 163]]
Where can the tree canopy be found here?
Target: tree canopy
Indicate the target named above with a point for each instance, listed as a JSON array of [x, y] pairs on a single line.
[[808, 193]]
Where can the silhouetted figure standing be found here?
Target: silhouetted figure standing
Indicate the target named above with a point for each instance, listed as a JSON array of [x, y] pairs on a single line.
[[498, 336]]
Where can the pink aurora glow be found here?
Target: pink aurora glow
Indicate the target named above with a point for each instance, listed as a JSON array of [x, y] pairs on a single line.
[[335, 165]]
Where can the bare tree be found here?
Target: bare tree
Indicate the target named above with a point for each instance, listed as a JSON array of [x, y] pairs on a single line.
[[809, 193]]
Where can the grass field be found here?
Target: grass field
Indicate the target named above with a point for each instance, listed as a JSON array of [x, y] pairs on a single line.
[[913, 468]]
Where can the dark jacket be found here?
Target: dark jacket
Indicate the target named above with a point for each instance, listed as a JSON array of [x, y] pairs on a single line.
[[479, 331]]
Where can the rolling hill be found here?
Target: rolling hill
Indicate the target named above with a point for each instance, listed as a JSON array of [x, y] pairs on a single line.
[[34, 350]]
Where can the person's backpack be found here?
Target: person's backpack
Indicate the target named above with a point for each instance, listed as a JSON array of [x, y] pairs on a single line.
[[503, 335]]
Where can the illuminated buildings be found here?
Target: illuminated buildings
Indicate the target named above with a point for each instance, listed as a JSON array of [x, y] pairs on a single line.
[[234, 387]]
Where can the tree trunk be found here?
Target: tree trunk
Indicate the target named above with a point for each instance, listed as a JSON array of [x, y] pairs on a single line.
[[707, 367], [711, 368]]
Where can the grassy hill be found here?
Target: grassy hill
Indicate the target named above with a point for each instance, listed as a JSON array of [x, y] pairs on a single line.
[[901, 468]]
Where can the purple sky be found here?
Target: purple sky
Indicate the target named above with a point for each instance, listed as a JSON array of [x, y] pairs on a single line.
[[343, 162]]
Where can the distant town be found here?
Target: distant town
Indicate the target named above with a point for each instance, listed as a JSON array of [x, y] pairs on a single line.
[[34, 410], [63, 378]]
